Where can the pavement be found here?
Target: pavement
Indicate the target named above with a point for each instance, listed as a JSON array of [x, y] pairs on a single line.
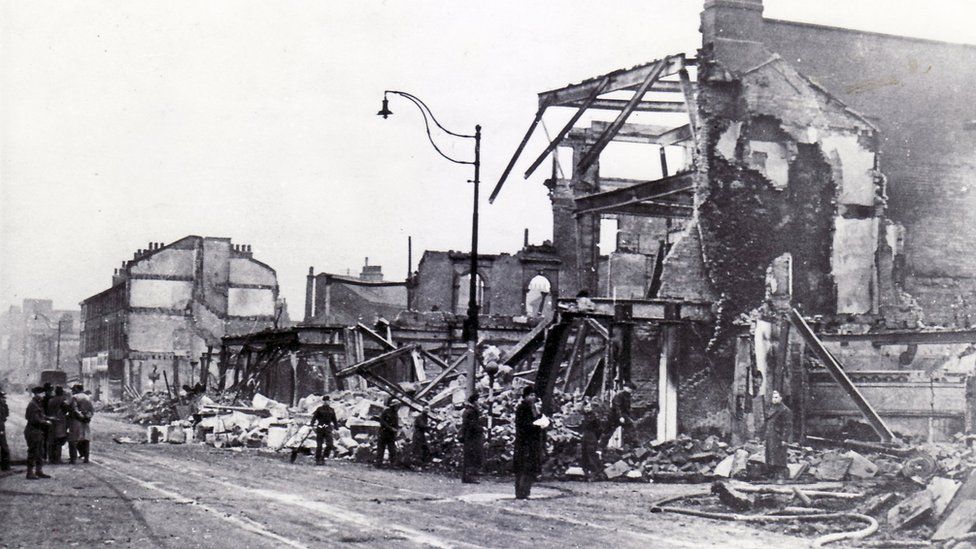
[[193, 495]]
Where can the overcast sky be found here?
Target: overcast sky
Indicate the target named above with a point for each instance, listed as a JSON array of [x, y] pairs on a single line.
[[128, 122]]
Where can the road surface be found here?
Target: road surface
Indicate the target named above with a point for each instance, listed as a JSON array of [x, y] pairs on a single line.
[[197, 496]]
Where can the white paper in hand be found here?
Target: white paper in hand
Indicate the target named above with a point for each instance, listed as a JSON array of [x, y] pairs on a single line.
[[542, 422]]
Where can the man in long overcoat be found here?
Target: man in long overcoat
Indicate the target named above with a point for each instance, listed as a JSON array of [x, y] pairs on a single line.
[[4, 449], [776, 433], [527, 459], [79, 425], [419, 445], [473, 440], [56, 409], [35, 434]]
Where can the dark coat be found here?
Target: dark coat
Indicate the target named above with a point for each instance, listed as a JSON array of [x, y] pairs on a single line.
[[421, 450], [591, 428], [472, 435], [324, 417], [389, 423], [36, 421], [527, 458], [57, 410], [776, 432]]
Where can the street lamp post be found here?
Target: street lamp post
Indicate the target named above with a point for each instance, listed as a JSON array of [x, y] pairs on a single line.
[[471, 326]]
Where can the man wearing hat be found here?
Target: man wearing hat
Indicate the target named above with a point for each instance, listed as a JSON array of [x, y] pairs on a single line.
[[4, 449], [324, 421], [36, 434], [527, 458], [79, 428], [389, 426]]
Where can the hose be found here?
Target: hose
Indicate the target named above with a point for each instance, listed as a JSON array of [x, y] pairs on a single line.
[[872, 525]]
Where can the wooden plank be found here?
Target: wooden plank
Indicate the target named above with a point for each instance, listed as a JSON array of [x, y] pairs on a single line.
[[690, 101], [594, 152], [375, 336], [576, 355], [620, 79], [528, 344], [569, 125], [622, 104], [598, 328], [366, 364], [447, 371], [418, 366], [517, 154]]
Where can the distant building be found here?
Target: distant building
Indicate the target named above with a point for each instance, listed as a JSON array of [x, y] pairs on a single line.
[[36, 337], [523, 284], [344, 300], [162, 319]]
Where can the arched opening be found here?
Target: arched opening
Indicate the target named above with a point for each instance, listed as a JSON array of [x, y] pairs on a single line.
[[463, 291], [538, 296]]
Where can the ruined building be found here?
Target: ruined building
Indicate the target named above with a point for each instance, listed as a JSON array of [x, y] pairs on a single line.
[[343, 300], [160, 322], [796, 170]]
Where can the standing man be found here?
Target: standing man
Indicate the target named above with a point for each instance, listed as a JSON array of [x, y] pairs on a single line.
[[35, 434], [620, 417], [57, 410], [389, 425], [421, 425], [776, 431], [527, 459], [79, 424], [590, 431], [324, 421], [4, 449], [473, 439]]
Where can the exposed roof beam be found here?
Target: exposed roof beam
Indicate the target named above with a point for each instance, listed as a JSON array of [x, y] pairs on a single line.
[[626, 198], [516, 155], [641, 133], [651, 76], [569, 125], [620, 79], [621, 104]]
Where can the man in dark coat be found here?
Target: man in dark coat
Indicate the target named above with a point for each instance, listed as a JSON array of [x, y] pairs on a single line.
[[527, 459], [35, 434], [620, 416], [56, 409], [590, 432], [389, 425], [324, 421], [420, 447], [776, 432], [4, 449], [473, 439]]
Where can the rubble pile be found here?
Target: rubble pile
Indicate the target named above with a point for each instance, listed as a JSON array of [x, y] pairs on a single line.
[[904, 494], [148, 409]]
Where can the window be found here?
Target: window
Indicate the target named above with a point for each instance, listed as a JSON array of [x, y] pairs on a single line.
[[538, 296]]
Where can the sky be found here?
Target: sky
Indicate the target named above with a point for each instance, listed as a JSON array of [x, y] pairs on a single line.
[[124, 123]]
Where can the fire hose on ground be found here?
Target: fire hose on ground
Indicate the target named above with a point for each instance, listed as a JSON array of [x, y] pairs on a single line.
[[871, 527]]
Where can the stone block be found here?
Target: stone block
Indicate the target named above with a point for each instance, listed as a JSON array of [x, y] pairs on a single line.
[[911, 511], [616, 470]]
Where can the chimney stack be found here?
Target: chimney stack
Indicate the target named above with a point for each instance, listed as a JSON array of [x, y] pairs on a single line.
[[732, 19]]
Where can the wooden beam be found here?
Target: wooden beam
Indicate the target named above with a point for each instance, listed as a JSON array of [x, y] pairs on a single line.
[[367, 364], [599, 328], [621, 104], [585, 104], [375, 336], [576, 355], [517, 154], [448, 369], [642, 192], [620, 79], [553, 349], [528, 344], [594, 152]]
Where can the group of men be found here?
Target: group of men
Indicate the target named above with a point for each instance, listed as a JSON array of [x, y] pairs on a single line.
[[53, 419], [527, 461]]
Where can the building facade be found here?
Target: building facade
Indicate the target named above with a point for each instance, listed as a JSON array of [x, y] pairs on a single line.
[[158, 324]]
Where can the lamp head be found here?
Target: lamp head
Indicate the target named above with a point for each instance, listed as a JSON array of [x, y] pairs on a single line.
[[385, 112]]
